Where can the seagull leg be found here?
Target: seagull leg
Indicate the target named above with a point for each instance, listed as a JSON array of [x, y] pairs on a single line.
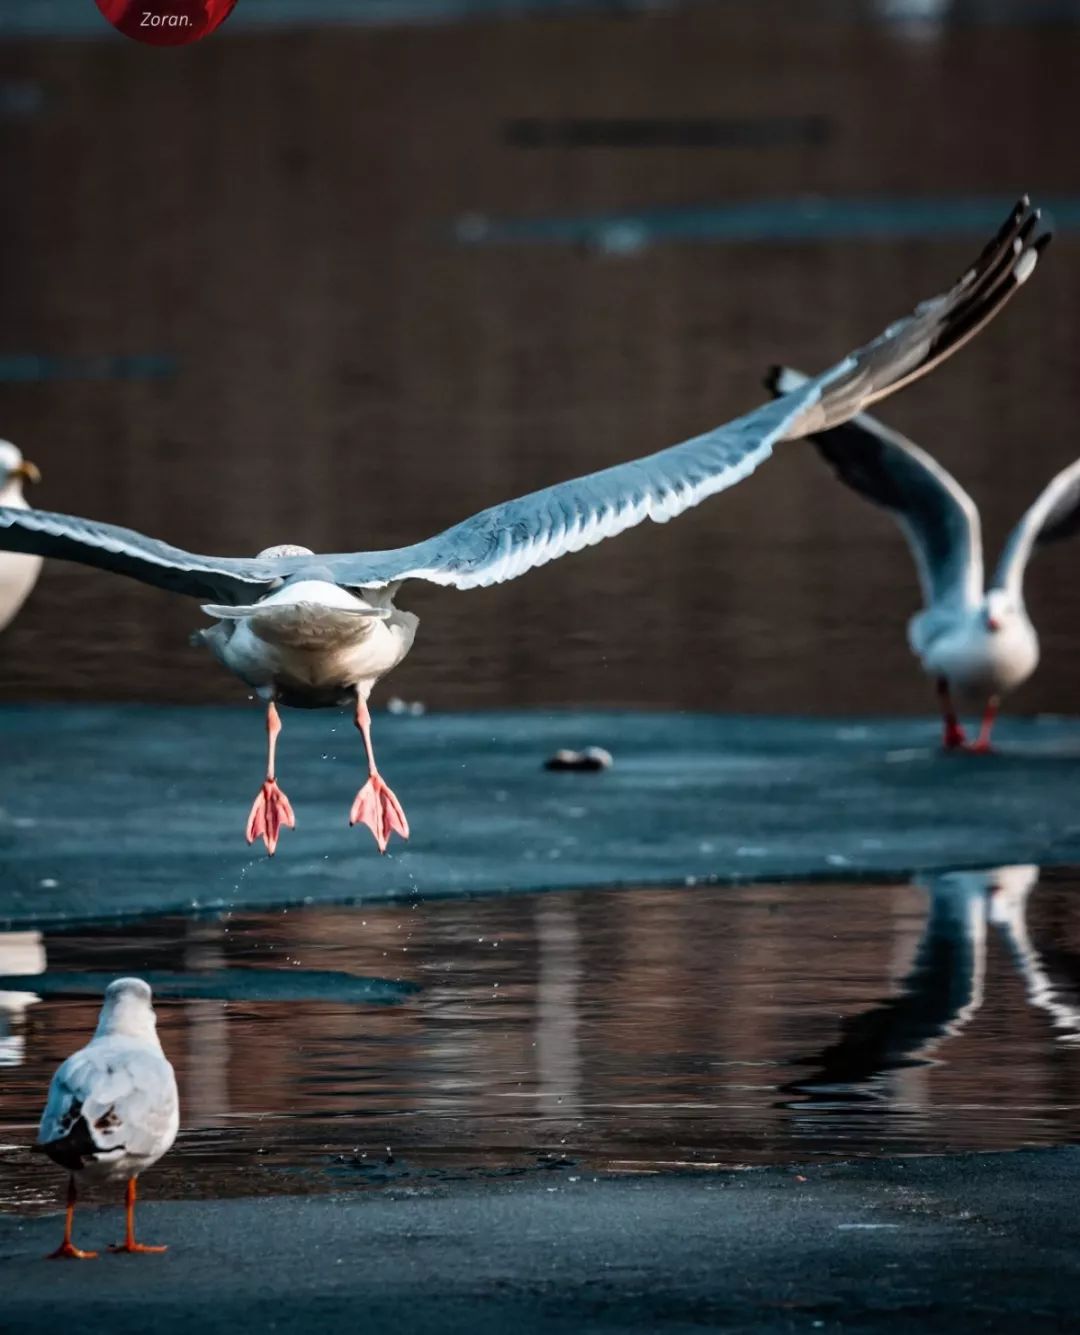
[[954, 737], [129, 1244], [67, 1249], [375, 805], [982, 742], [271, 809]]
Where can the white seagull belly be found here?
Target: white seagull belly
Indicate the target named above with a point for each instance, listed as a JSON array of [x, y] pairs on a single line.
[[317, 649], [984, 663]]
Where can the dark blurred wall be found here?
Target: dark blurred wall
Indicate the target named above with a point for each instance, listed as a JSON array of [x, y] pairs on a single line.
[[268, 218]]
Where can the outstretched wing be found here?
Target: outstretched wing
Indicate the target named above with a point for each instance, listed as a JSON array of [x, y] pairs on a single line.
[[218, 578], [1055, 515], [937, 516], [507, 540]]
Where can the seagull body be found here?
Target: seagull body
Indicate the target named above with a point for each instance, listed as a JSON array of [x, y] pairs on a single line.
[[312, 643], [18, 572], [978, 663], [317, 630], [112, 1109], [977, 642]]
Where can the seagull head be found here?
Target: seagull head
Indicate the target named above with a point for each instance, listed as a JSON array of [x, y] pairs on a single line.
[[127, 1010], [15, 470], [997, 610]]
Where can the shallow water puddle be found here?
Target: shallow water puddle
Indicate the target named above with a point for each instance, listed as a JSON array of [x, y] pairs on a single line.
[[633, 1031]]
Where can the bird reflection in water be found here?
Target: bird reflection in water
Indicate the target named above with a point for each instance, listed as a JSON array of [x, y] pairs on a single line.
[[20, 953], [882, 1057]]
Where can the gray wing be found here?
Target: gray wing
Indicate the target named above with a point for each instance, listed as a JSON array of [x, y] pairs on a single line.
[[1054, 516], [218, 578], [108, 1101], [507, 540], [916, 344], [937, 516]]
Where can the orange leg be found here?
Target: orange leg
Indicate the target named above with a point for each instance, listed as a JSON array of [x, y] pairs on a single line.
[[982, 742], [375, 805], [271, 809], [953, 738], [67, 1249], [129, 1244]]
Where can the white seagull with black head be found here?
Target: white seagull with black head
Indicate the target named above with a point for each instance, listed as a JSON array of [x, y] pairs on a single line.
[[320, 630]]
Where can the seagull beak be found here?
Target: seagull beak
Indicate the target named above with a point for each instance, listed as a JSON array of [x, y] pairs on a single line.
[[27, 471]]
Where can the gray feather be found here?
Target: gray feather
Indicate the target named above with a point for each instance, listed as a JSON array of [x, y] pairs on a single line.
[[937, 516]]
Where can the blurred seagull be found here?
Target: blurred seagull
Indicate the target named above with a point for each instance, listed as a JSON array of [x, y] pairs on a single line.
[[320, 630], [112, 1109], [977, 643], [18, 572]]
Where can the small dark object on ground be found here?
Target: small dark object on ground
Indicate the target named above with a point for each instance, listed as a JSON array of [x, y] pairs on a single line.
[[592, 758]]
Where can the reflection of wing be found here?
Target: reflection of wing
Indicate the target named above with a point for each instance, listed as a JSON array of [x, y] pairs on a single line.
[[937, 516], [1008, 910], [112, 1096], [1055, 515], [507, 540], [221, 578], [937, 998]]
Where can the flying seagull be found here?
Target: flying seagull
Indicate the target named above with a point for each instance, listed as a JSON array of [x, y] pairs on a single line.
[[320, 630], [977, 643], [112, 1109], [18, 572]]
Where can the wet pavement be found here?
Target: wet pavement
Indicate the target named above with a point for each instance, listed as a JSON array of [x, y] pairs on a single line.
[[955, 1243], [115, 811], [604, 1106]]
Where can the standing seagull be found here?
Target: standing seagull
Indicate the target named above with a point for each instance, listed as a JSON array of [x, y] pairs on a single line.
[[18, 572], [977, 643], [312, 631], [112, 1109]]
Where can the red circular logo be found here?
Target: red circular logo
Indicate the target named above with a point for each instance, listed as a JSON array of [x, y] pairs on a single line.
[[166, 22]]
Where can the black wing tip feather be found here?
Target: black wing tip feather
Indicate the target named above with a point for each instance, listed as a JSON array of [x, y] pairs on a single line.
[[1003, 266], [72, 1149]]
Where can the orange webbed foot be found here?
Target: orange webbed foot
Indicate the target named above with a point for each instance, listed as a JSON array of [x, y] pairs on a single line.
[[69, 1252], [134, 1248], [377, 808], [270, 811]]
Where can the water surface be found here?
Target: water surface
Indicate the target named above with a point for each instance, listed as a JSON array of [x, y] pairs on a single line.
[[630, 1031]]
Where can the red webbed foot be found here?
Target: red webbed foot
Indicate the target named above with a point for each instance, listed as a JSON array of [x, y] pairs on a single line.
[[134, 1248], [68, 1252], [955, 738], [269, 812], [377, 808]]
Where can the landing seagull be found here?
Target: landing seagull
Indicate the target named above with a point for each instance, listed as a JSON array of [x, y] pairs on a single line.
[[320, 630], [112, 1109], [18, 573], [977, 643]]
